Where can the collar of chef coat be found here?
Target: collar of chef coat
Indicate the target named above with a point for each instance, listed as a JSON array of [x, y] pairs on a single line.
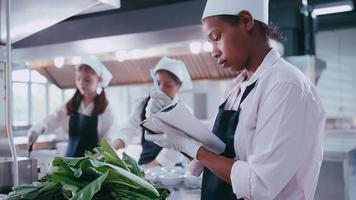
[[86, 110], [175, 99], [271, 57]]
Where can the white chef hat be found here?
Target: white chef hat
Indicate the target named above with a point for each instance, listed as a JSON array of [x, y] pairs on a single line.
[[99, 69], [178, 68], [257, 8]]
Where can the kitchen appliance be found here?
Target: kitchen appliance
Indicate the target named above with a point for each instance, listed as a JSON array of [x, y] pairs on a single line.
[[18, 21], [27, 167]]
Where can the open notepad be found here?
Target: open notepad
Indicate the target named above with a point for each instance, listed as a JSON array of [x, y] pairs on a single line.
[[179, 117]]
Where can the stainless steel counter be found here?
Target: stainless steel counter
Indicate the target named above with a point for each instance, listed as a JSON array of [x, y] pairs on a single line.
[[337, 144], [337, 179], [27, 169]]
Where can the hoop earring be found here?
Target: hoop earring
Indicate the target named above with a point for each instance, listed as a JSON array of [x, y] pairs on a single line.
[[99, 89]]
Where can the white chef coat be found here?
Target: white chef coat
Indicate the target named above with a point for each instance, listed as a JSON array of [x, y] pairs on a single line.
[[131, 128], [60, 119], [279, 134]]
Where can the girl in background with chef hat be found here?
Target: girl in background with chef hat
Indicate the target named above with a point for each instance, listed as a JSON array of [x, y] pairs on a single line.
[[173, 77], [87, 116], [271, 118]]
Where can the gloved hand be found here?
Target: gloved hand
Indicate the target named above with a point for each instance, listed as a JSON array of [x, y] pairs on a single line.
[[174, 139], [158, 100], [195, 167], [34, 132], [169, 157]]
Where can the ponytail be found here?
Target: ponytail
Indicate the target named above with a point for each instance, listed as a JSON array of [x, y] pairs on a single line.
[[100, 103], [73, 104], [270, 31]]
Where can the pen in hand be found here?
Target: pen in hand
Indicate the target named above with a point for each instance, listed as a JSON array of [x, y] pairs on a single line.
[[30, 150], [155, 82]]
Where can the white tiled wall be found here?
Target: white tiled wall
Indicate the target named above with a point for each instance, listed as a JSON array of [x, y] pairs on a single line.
[[337, 85]]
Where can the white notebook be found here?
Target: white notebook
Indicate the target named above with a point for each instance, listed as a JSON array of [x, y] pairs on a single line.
[[179, 117]]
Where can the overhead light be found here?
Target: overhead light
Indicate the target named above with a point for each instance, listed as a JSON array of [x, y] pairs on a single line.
[[58, 62], [334, 7], [76, 60], [121, 55], [304, 2], [151, 52], [136, 54], [28, 64], [195, 47]]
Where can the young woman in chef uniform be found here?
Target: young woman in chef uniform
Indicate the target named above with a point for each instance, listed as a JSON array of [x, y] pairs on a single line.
[[87, 117], [271, 118], [173, 77]]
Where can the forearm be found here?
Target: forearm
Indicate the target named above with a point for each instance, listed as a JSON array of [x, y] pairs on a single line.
[[219, 165]]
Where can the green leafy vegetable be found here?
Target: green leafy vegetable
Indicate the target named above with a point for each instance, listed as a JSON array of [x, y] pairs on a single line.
[[100, 177], [132, 165], [91, 189]]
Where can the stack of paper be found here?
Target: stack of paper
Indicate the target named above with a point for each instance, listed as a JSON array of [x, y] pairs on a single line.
[[179, 117]]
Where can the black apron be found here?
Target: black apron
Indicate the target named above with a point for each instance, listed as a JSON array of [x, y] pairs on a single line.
[[225, 124], [150, 150], [83, 134]]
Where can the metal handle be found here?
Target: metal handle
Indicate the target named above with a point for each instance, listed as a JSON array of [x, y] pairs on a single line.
[[8, 87]]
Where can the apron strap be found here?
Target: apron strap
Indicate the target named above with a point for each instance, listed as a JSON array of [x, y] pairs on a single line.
[[150, 150], [247, 92]]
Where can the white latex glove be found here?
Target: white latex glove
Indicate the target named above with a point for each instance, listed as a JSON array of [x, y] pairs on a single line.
[[158, 100], [34, 132], [169, 157], [174, 139], [195, 167]]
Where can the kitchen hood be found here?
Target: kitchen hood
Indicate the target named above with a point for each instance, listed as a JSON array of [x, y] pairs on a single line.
[[31, 16], [200, 67]]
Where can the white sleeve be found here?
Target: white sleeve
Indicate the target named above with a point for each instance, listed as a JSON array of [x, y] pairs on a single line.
[[212, 121], [58, 119], [131, 127], [188, 108], [288, 123], [108, 126]]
